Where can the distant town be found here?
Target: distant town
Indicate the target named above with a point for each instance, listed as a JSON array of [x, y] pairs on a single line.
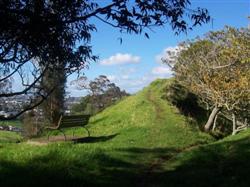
[[11, 106]]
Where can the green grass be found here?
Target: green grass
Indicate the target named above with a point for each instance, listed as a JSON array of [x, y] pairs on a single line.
[[129, 144], [9, 137], [223, 163], [14, 123]]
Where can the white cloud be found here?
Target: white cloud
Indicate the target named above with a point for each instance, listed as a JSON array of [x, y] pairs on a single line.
[[161, 70], [167, 54], [120, 58], [128, 79]]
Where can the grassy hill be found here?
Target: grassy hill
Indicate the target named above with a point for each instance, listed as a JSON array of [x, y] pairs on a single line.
[[130, 144]]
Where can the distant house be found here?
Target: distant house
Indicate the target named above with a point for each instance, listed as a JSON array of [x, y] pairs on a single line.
[[7, 114]]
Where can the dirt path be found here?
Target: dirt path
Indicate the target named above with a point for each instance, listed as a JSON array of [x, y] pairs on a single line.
[[158, 109], [45, 141], [36, 143]]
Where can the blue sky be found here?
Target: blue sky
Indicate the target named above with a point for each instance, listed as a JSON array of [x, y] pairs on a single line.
[[133, 64]]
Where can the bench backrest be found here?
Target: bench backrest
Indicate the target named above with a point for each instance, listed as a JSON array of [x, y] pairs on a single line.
[[73, 121]]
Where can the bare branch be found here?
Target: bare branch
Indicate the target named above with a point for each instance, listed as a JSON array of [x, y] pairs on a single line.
[[30, 107], [27, 88]]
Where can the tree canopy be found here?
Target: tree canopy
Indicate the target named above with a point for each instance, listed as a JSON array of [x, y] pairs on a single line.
[[37, 35]]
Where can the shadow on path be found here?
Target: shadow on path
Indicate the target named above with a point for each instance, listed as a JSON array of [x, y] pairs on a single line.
[[93, 139]]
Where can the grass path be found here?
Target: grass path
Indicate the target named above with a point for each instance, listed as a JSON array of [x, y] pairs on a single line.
[[158, 109], [157, 165]]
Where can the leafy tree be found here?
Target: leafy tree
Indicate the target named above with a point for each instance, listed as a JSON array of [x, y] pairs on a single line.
[[53, 106], [103, 93], [217, 69], [43, 33]]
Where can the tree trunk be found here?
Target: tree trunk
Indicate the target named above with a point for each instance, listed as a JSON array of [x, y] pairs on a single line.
[[212, 118], [215, 120], [234, 124]]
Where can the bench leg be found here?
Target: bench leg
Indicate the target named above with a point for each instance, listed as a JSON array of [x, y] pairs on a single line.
[[73, 133], [63, 134], [48, 135]]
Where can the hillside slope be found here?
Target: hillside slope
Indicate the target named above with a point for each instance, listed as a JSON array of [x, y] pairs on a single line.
[[129, 144], [147, 119]]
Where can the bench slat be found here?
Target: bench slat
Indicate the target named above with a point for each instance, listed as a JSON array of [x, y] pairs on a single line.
[[73, 121], [77, 116], [76, 121]]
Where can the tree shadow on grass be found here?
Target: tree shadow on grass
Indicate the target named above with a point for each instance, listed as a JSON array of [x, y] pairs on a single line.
[[155, 153], [54, 170], [225, 165], [57, 168], [207, 166], [93, 139]]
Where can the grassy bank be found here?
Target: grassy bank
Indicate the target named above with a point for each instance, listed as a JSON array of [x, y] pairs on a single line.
[[224, 163]]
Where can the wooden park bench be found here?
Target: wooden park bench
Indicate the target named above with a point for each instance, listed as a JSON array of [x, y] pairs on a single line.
[[70, 122]]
